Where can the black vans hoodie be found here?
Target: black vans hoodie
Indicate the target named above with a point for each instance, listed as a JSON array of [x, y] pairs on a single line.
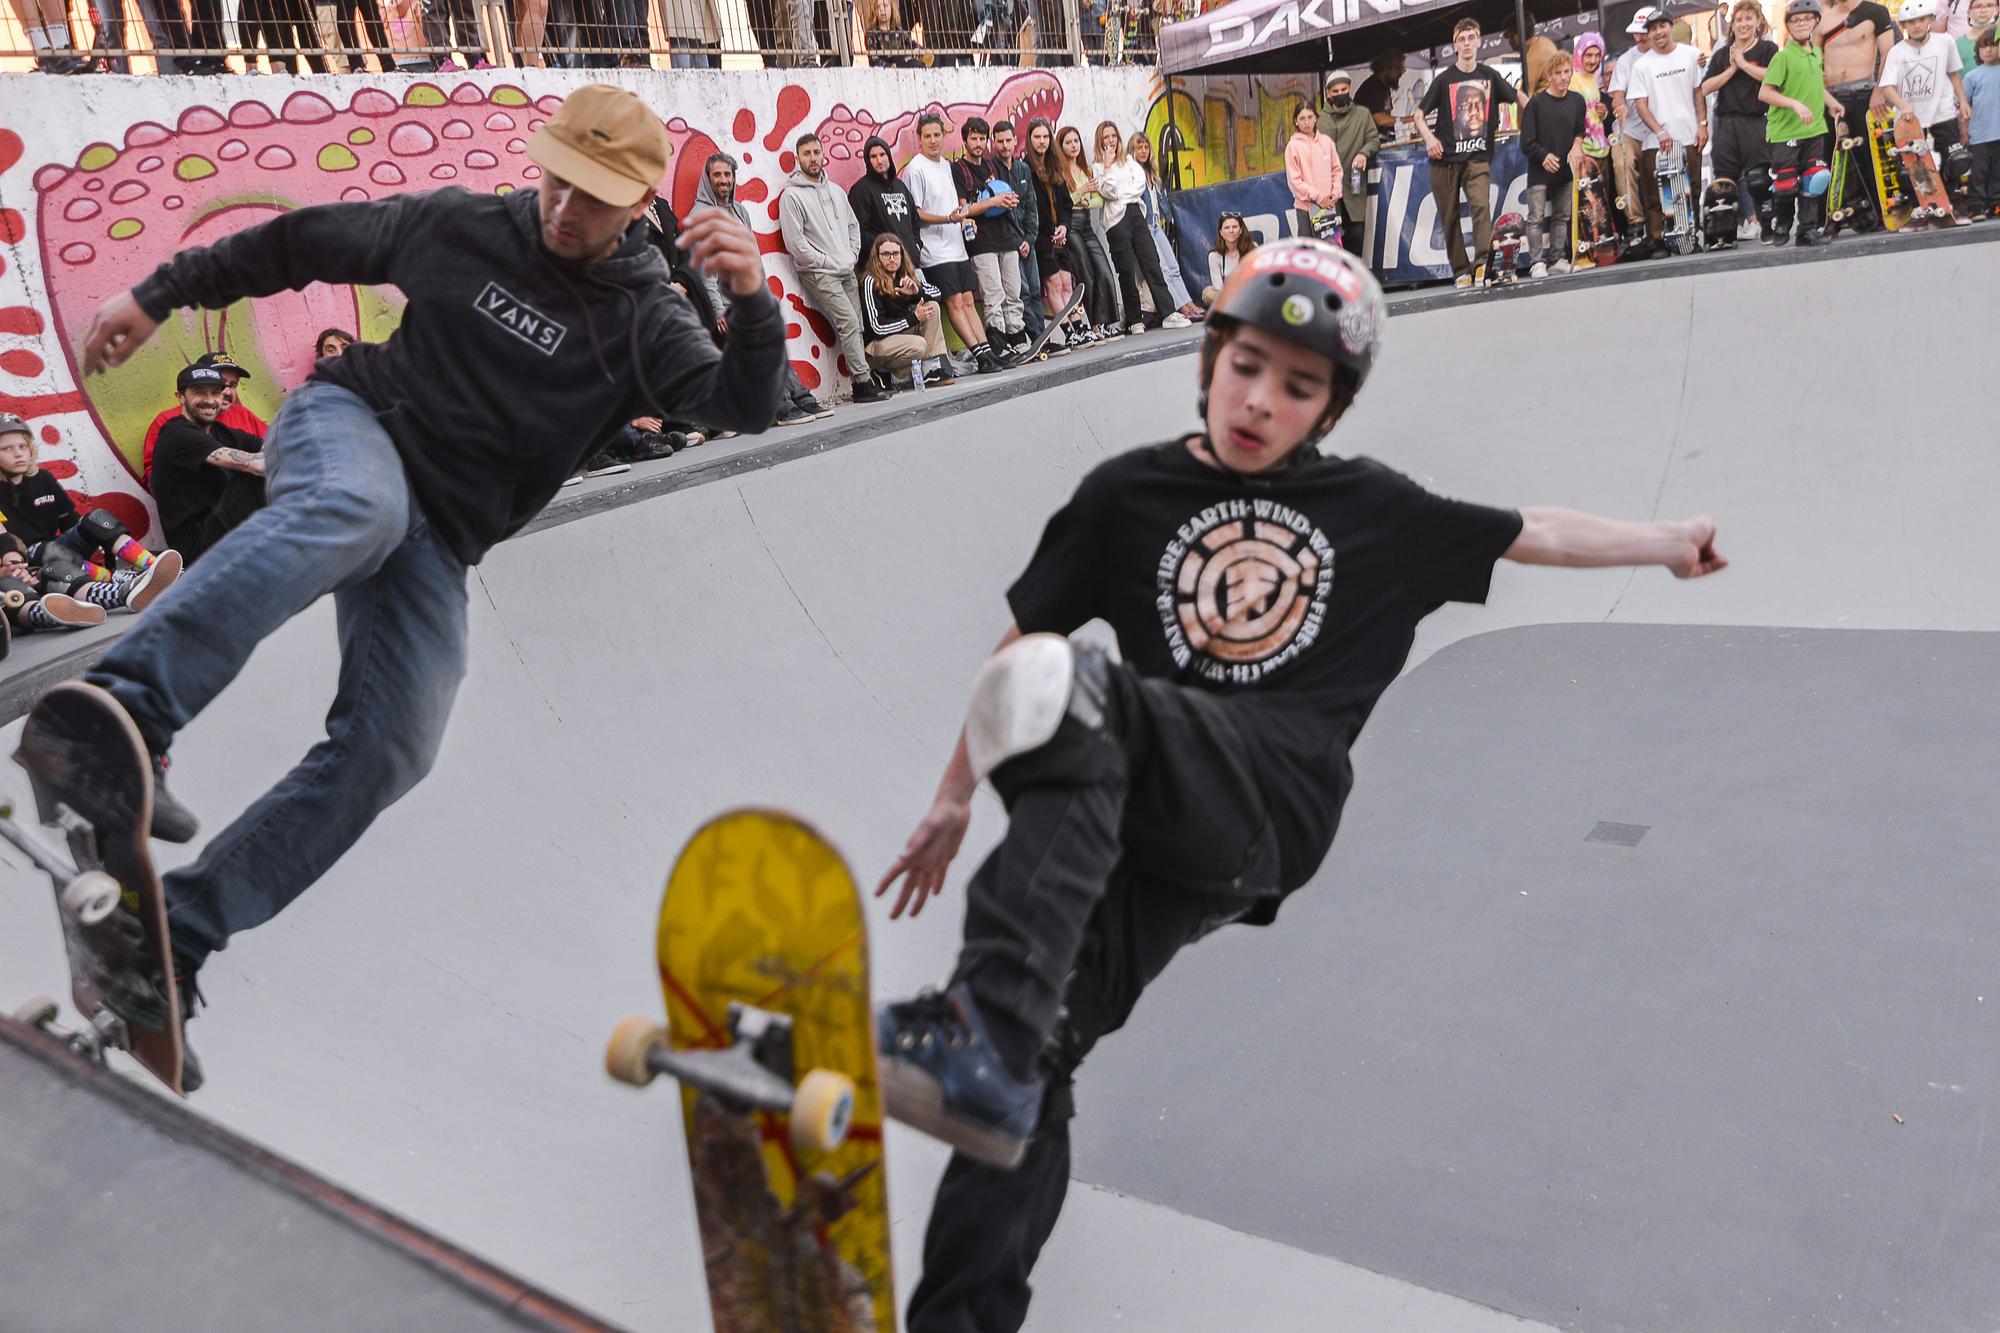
[[511, 367]]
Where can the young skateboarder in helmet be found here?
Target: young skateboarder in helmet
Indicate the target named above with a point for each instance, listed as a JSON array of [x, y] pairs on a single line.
[[1264, 594]]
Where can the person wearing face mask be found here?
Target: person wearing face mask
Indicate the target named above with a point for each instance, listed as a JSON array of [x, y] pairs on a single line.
[[1197, 780], [1356, 140]]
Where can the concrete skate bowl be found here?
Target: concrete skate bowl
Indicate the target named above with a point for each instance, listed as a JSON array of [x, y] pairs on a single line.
[[1655, 905]]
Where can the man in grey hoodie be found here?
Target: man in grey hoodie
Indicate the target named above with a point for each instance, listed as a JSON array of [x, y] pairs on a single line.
[[717, 193], [823, 237], [538, 323]]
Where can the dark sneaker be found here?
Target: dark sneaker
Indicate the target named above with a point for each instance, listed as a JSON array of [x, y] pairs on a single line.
[[940, 376], [652, 446], [1784, 237], [812, 407], [941, 1075], [1809, 236], [791, 415], [192, 1002], [866, 390], [987, 363], [146, 1005], [172, 821]]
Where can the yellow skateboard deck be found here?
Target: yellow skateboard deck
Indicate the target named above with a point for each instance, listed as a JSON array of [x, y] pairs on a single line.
[[761, 917]]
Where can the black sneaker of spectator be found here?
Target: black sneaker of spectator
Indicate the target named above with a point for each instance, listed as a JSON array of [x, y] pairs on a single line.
[[940, 375], [812, 407], [791, 414], [866, 390], [651, 446], [986, 363]]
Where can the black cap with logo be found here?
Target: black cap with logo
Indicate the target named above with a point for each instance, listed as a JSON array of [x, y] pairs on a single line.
[[195, 374]]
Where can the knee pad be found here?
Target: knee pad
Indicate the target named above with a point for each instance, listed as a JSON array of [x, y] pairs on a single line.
[[61, 566], [1815, 178], [1785, 180], [101, 530], [1757, 180], [1023, 695]]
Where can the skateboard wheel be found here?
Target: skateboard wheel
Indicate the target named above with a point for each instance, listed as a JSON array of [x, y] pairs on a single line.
[[625, 1054], [91, 897], [37, 1012], [13, 599], [822, 1110]]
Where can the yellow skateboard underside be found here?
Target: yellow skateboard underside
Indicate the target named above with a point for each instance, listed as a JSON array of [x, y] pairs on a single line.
[[761, 910]]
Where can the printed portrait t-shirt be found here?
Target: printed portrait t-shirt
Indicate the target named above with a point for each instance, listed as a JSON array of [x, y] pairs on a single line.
[[1296, 598], [1463, 107]]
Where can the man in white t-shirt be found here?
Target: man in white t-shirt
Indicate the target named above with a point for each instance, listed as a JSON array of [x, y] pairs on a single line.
[[941, 240], [1665, 94], [1923, 73], [1625, 157]]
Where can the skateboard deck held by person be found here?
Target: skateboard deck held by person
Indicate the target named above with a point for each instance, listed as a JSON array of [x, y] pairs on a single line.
[[1913, 147], [1039, 350], [93, 782], [1892, 192], [762, 953]]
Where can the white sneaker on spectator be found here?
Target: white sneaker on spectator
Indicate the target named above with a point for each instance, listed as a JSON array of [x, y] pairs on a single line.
[[1176, 321], [1136, 329], [1559, 267], [1462, 281], [145, 585], [1540, 270]]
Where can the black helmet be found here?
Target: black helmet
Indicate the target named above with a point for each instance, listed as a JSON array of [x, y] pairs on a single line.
[[1314, 295]]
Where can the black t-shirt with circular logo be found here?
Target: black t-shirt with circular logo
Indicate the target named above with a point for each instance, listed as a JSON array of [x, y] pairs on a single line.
[[1296, 596]]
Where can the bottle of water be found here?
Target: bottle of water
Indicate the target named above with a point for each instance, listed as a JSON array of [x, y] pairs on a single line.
[[917, 375]]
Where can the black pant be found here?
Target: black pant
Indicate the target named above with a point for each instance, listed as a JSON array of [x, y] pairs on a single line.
[[1985, 176], [1111, 865], [1134, 256], [1100, 296], [1788, 200], [1740, 152], [1853, 99]]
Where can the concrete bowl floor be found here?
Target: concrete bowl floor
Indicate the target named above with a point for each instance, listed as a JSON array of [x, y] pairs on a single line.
[[1498, 1064]]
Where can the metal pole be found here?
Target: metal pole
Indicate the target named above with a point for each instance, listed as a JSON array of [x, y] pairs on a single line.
[[1521, 31], [1073, 29]]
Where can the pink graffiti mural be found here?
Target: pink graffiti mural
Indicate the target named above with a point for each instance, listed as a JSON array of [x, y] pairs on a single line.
[[125, 204]]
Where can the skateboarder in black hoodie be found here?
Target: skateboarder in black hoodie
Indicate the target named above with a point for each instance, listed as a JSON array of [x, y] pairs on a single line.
[[539, 323], [1264, 595], [881, 201]]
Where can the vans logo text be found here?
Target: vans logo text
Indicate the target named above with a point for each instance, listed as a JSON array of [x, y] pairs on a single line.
[[519, 318]]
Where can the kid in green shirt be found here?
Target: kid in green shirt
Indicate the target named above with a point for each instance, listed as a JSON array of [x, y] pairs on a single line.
[[1796, 125]]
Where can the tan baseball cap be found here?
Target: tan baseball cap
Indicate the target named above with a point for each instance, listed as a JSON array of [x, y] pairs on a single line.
[[604, 141]]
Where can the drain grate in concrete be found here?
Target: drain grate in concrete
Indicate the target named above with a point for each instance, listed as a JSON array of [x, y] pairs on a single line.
[[1618, 835]]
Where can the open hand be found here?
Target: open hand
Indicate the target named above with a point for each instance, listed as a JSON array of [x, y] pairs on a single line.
[[1700, 557], [927, 855], [723, 248], [119, 329]]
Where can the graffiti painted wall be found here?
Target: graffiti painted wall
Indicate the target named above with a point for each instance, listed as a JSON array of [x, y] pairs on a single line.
[[102, 179]]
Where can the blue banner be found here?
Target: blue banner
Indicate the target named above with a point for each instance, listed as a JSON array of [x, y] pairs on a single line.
[[1404, 244]]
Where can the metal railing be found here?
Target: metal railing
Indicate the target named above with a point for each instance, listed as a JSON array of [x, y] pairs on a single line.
[[318, 36]]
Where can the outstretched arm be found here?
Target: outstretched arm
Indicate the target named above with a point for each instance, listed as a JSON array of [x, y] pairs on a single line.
[[928, 853], [353, 243], [1551, 536]]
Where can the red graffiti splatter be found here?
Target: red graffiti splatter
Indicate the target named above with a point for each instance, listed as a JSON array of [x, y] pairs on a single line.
[[59, 468], [753, 191], [20, 319], [793, 102], [771, 243], [13, 227], [23, 363], [808, 373], [744, 126], [821, 326], [772, 208], [793, 330], [127, 509], [43, 404], [788, 161], [10, 149], [50, 435]]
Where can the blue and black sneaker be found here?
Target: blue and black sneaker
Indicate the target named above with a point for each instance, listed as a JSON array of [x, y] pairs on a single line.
[[942, 1074]]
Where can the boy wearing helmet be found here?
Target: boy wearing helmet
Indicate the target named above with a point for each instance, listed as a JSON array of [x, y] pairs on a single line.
[[1264, 595], [1924, 75], [1796, 125]]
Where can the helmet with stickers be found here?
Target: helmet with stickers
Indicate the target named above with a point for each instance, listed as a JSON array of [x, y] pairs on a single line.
[[1309, 293], [1917, 9], [13, 425]]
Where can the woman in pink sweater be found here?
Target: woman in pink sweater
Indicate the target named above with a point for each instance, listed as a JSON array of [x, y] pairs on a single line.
[[1312, 168]]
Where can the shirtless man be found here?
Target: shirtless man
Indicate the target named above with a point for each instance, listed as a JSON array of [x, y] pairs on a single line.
[[1854, 38]]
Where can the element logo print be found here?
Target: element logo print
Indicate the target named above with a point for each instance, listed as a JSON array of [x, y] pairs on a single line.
[[1242, 589]]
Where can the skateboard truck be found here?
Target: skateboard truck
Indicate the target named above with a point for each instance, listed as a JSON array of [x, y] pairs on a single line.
[[754, 1073]]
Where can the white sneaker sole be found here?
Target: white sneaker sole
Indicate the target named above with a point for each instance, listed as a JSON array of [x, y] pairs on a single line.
[[166, 567], [914, 1098]]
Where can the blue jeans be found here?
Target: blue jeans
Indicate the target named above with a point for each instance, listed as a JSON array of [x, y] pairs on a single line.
[[1032, 319], [341, 519]]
